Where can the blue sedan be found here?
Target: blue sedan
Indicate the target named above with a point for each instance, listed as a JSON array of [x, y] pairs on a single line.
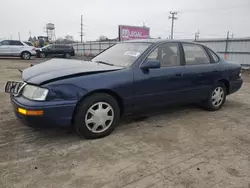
[[127, 78]]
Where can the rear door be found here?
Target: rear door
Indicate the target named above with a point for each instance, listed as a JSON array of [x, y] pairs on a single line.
[[200, 72], [5, 49], [16, 47]]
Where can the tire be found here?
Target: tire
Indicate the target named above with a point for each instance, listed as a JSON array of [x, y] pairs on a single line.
[[103, 122], [42, 55], [26, 55], [67, 55], [214, 103]]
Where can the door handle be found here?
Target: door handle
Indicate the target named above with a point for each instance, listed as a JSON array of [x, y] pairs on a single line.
[[179, 74]]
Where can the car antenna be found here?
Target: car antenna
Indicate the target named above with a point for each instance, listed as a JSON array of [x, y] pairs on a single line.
[[20, 71]]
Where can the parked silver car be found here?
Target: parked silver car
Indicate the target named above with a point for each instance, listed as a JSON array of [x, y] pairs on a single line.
[[16, 48]]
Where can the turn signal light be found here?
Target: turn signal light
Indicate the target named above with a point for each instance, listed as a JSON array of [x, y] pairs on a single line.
[[30, 112]]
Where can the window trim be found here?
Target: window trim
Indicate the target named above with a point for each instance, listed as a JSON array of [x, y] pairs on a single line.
[[163, 43], [202, 47], [210, 52]]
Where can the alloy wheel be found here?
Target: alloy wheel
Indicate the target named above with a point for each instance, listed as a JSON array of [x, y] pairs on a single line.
[[42, 55], [67, 56], [26, 55]]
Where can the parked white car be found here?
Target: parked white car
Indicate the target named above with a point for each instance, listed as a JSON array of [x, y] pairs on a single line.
[[16, 48]]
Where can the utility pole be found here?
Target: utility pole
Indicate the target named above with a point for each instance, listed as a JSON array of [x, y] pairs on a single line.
[[81, 33], [19, 36], [225, 55], [172, 16], [197, 35], [30, 33], [143, 24], [232, 35]]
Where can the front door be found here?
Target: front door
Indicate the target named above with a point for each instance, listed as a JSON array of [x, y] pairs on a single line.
[[162, 86], [59, 50], [50, 50]]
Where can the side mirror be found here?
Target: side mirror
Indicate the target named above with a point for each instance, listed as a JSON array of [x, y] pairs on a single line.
[[151, 64]]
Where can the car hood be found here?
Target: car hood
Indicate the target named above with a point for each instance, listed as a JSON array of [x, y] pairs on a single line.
[[56, 69]]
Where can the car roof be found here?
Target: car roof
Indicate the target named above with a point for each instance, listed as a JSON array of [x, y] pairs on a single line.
[[157, 41], [11, 40], [61, 44]]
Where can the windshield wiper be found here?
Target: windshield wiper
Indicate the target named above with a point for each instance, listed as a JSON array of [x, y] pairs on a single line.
[[105, 63]]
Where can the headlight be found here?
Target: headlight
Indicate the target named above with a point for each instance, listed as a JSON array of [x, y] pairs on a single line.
[[35, 93]]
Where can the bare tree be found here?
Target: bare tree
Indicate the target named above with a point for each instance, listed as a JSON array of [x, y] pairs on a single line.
[[69, 37], [103, 38]]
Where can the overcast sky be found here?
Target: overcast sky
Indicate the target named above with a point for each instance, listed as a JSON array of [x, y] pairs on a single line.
[[213, 18]]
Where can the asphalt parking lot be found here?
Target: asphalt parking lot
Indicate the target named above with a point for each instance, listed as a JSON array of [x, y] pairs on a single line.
[[184, 147]]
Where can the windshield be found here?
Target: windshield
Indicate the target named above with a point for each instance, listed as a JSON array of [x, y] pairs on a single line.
[[29, 43], [122, 54], [47, 47]]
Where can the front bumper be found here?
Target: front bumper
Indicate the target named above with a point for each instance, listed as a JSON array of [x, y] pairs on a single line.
[[235, 86], [33, 53], [55, 113]]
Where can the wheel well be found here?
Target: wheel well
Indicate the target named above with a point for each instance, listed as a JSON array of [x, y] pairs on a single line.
[[112, 93], [24, 52], [226, 83]]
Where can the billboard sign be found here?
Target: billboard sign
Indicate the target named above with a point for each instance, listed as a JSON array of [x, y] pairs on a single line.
[[133, 32]]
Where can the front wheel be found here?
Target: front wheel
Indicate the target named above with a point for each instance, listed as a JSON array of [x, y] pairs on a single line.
[[42, 55], [25, 55], [97, 116], [216, 98]]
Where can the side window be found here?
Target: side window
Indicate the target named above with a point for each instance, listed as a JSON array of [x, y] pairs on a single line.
[[195, 54], [59, 47], [168, 54], [16, 43], [5, 43], [215, 57], [64, 47]]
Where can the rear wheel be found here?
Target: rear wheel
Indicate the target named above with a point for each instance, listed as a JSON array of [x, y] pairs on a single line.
[[97, 116], [67, 55], [216, 98], [26, 55]]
